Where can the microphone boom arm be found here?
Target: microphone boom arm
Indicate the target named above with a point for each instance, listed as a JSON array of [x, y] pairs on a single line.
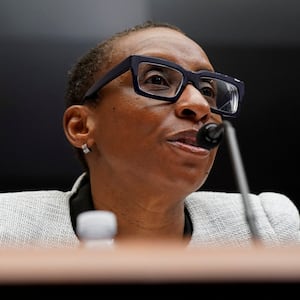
[[240, 176]]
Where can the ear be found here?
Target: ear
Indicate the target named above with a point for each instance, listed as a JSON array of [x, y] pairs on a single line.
[[77, 124]]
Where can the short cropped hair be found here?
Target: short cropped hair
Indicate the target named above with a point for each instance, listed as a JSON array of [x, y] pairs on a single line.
[[81, 75]]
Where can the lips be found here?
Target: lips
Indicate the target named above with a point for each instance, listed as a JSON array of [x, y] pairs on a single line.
[[185, 137], [186, 141]]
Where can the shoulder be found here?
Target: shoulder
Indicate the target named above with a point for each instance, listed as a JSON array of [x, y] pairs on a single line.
[[32, 199], [269, 202], [276, 215], [37, 218], [38, 198], [277, 203]]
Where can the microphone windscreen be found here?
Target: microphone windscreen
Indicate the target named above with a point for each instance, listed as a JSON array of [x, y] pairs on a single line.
[[210, 135]]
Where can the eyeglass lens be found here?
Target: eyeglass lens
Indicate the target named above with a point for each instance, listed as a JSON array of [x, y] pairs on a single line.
[[164, 81]]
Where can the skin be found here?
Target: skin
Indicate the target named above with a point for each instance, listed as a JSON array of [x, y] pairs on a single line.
[[137, 168]]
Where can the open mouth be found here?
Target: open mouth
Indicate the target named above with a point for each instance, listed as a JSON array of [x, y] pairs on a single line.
[[186, 140], [187, 137]]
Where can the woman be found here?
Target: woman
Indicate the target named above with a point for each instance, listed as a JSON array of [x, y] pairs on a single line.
[[134, 105]]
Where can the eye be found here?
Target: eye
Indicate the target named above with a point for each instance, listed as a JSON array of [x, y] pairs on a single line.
[[207, 89], [159, 80], [207, 92], [155, 78]]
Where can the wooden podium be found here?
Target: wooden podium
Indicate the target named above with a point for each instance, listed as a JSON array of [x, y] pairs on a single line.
[[134, 264]]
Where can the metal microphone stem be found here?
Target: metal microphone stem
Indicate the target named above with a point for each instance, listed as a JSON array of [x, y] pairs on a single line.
[[240, 177]]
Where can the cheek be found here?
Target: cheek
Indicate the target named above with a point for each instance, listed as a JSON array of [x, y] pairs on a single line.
[[124, 126]]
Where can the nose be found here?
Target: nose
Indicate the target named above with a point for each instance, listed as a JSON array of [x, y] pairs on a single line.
[[192, 105]]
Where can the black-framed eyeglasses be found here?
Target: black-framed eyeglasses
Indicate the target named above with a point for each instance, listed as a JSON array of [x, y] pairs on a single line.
[[161, 79]]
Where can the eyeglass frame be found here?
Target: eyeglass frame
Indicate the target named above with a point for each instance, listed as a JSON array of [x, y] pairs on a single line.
[[132, 62]]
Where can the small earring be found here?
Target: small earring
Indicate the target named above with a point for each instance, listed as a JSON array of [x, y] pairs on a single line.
[[85, 149]]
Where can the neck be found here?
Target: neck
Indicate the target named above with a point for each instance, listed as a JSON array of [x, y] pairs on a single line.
[[141, 214]]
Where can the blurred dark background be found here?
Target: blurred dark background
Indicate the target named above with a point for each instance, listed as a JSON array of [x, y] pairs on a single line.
[[256, 41]]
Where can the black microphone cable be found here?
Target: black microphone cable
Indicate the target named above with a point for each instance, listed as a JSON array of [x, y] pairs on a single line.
[[209, 136]]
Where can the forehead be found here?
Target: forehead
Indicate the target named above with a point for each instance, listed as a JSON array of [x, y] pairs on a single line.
[[165, 43]]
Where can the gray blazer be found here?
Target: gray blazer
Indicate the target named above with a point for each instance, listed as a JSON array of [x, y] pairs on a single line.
[[42, 219]]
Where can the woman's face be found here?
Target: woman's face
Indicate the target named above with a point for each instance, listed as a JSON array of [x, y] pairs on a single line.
[[152, 142]]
